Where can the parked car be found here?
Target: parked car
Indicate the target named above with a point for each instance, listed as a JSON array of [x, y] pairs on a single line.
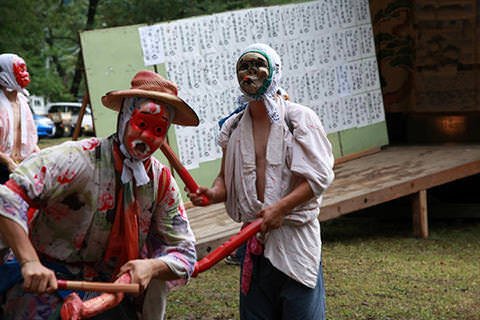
[[45, 126], [65, 115], [87, 120], [62, 120]]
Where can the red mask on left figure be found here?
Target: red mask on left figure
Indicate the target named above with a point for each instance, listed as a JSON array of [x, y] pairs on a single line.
[[146, 130], [20, 71]]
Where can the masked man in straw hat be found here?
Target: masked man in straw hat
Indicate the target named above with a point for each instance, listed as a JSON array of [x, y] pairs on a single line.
[[277, 162], [18, 132], [105, 207]]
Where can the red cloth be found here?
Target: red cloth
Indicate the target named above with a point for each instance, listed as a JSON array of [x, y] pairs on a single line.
[[123, 239], [13, 185], [253, 247]]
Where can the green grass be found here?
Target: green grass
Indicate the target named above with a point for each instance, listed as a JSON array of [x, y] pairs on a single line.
[[373, 269]]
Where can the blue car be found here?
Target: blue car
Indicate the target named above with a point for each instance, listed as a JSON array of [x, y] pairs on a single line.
[[45, 126]]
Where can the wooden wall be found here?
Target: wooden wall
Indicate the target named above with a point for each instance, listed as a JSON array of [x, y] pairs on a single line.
[[392, 22], [446, 56], [428, 54]]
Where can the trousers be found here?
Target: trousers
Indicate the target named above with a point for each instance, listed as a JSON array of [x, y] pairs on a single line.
[[273, 295]]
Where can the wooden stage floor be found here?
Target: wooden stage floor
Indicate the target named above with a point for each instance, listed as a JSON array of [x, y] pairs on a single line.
[[394, 172]]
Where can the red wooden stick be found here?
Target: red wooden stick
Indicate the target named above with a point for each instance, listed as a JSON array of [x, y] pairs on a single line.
[[225, 249], [182, 172]]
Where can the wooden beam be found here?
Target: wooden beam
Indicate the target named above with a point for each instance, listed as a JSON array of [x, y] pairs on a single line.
[[357, 155], [420, 216], [354, 203]]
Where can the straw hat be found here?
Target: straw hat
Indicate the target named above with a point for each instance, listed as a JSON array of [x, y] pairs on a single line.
[[148, 84]]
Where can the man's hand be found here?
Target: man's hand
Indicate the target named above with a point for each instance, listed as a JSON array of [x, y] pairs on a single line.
[[273, 217], [143, 270], [196, 197], [38, 278], [217, 193], [8, 161], [12, 165], [140, 270]]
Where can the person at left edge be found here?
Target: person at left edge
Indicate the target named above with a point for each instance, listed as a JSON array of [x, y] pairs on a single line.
[[106, 207], [18, 133]]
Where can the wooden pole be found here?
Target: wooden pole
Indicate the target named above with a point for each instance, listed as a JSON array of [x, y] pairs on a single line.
[[98, 286], [419, 210], [78, 126]]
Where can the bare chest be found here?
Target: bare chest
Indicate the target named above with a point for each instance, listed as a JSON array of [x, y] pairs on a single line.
[[16, 131], [260, 138]]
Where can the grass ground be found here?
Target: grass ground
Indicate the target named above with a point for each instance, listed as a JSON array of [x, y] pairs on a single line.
[[373, 269]]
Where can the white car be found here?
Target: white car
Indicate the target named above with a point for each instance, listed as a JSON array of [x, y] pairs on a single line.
[[74, 109]]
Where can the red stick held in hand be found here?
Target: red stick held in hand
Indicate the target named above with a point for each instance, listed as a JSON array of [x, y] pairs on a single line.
[[225, 249], [182, 172]]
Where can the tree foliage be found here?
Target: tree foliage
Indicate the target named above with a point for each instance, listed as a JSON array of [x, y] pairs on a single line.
[[45, 33]]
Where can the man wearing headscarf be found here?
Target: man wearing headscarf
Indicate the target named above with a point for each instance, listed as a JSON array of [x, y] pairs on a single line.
[[105, 207], [18, 132], [277, 162]]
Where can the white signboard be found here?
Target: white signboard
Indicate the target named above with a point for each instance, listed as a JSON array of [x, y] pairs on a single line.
[[152, 45], [328, 57]]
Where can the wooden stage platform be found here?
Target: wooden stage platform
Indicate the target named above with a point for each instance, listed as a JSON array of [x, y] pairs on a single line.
[[391, 173]]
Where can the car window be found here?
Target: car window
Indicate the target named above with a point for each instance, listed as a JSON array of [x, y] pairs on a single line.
[[55, 109], [75, 110]]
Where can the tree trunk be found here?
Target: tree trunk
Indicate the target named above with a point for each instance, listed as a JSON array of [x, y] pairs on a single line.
[[77, 77], [56, 61]]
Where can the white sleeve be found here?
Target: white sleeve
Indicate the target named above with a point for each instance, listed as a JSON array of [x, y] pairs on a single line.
[[311, 155], [226, 130]]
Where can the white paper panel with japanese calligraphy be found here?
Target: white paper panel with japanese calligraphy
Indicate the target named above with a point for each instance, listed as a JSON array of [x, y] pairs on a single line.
[[328, 56]]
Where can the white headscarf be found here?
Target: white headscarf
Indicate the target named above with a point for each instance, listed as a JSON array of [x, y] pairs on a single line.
[[268, 97], [7, 77]]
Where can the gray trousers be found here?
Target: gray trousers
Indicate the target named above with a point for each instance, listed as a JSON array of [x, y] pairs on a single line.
[[155, 300]]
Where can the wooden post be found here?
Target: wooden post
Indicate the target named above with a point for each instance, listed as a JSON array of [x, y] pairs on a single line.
[[78, 126], [420, 217]]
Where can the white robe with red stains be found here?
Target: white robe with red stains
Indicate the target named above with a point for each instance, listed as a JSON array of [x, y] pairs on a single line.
[[295, 247]]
